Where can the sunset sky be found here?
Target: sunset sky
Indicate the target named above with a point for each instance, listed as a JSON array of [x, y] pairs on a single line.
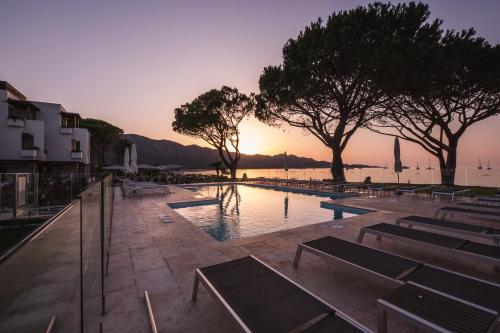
[[132, 63]]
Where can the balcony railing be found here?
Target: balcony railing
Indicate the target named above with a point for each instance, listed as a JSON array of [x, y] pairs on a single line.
[[76, 155], [66, 130], [31, 153], [15, 122]]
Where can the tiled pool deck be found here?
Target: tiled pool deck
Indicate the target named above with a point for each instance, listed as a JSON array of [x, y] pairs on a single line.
[[161, 258]]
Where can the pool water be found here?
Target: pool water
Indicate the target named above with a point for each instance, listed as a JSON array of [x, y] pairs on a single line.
[[246, 211]]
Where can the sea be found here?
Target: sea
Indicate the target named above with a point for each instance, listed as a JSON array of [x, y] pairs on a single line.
[[464, 176]]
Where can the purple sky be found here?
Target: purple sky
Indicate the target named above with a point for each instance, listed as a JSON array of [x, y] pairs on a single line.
[[132, 62]]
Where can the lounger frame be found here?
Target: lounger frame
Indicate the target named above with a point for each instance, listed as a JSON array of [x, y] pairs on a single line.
[[450, 194], [389, 282], [448, 251], [491, 237], [480, 206], [384, 308], [141, 189], [200, 277], [413, 191], [486, 203], [384, 188], [441, 213]]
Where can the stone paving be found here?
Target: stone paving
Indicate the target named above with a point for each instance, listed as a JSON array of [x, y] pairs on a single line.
[[161, 258]]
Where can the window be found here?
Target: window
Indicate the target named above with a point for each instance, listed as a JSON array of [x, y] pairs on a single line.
[[21, 111], [28, 141], [69, 121], [30, 114], [64, 122], [16, 113], [75, 145]]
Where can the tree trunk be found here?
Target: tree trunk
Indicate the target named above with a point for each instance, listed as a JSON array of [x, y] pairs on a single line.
[[337, 168], [102, 159], [448, 167], [233, 169]]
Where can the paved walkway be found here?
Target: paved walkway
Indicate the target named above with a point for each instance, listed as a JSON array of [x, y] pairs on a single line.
[[147, 254]]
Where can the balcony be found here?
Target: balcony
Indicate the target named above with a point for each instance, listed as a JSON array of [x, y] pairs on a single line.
[[31, 154], [66, 130], [15, 122], [76, 155]]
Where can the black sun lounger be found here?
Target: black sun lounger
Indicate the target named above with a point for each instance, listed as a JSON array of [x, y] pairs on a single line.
[[429, 311], [464, 229], [493, 200], [450, 245], [261, 299], [476, 213], [395, 270], [411, 189], [480, 205], [448, 191]]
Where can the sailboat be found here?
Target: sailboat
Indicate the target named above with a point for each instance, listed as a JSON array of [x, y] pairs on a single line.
[[489, 168], [430, 166], [480, 167]]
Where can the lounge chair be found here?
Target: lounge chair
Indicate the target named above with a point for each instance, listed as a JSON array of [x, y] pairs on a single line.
[[261, 299], [363, 187], [429, 311], [394, 270], [144, 187], [448, 191], [379, 188], [493, 200], [336, 187], [411, 189], [450, 245], [480, 205], [473, 213], [464, 229]]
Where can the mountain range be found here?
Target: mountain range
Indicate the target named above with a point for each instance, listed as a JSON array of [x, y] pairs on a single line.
[[162, 152]]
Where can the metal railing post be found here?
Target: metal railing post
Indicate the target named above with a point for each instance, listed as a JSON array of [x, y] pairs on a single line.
[[81, 263], [14, 197], [101, 211], [52, 323]]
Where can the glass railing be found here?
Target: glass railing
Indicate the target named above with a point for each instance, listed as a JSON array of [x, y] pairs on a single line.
[[60, 272]]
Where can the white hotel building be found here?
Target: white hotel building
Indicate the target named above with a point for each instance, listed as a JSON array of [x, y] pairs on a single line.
[[40, 137]]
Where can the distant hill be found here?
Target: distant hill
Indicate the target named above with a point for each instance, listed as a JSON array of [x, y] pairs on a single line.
[[161, 152]]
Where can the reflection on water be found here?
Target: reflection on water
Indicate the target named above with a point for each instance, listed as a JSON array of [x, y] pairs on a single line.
[[464, 176], [286, 205], [245, 211]]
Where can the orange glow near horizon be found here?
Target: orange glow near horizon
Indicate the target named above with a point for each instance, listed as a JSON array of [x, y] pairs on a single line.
[[249, 146]]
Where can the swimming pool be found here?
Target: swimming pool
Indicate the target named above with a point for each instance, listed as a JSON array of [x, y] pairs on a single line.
[[244, 211]]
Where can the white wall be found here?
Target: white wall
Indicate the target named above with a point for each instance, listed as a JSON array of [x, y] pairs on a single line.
[[37, 129], [58, 145], [82, 135]]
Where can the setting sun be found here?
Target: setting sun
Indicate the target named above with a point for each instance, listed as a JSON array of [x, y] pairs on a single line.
[[250, 145]]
